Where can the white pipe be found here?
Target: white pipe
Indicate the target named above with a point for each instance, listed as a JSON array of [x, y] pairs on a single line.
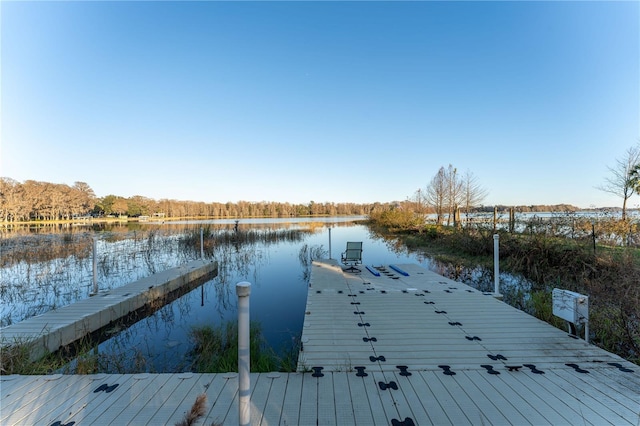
[[243, 290], [202, 243], [496, 265], [329, 242], [95, 265], [586, 331]]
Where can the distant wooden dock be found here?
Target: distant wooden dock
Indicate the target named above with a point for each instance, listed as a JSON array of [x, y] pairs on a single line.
[[388, 350], [54, 329]]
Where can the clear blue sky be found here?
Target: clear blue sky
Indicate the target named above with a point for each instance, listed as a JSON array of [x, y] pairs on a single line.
[[322, 101]]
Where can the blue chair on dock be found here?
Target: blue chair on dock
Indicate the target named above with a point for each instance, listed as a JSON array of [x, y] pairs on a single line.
[[352, 256]]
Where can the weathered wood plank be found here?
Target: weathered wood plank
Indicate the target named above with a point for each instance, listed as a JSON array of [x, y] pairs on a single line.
[[223, 397], [71, 400], [363, 412], [180, 394], [100, 401], [143, 390], [309, 400], [483, 393], [291, 405], [424, 404], [538, 408], [260, 389], [344, 411], [272, 412]]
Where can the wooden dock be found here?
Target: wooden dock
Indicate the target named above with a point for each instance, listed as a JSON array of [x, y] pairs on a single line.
[[54, 329], [388, 350]]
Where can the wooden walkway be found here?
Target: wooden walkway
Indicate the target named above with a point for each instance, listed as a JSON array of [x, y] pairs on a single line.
[[60, 327], [389, 350]]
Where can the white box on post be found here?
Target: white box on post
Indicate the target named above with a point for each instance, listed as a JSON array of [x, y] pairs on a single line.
[[572, 307]]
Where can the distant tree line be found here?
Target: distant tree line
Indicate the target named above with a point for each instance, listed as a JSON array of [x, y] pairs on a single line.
[[33, 200], [446, 195]]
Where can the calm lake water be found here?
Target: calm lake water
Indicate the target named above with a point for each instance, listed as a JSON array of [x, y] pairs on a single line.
[[275, 260], [279, 278], [277, 267]]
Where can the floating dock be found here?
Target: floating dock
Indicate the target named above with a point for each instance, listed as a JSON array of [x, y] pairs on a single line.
[[57, 328], [394, 349]]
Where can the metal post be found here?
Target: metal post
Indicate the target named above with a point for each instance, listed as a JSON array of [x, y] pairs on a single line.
[[586, 331], [496, 265], [243, 290], [329, 242], [95, 265], [202, 243]]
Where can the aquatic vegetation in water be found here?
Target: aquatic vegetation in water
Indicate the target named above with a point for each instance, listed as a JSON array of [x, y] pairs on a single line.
[[216, 350]]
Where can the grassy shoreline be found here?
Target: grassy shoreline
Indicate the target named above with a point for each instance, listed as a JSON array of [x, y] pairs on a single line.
[[609, 275]]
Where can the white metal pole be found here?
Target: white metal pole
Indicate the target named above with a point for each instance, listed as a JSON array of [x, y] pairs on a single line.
[[496, 265], [329, 242], [243, 290], [202, 243], [586, 331], [95, 265]]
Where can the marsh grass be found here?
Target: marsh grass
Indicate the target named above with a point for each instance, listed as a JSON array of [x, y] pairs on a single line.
[[15, 358], [81, 357], [216, 350], [41, 272], [216, 237]]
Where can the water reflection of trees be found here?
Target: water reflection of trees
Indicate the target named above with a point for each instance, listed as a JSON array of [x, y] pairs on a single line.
[[135, 348], [307, 255], [59, 271], [40, 272], [240, 253]]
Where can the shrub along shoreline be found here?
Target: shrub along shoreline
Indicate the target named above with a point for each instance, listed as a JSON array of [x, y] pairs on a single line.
[[610, 276]]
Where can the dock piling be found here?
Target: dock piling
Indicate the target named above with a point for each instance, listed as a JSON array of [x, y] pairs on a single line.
[[95, 265], [202, 243], [243, 290], [496, 265]]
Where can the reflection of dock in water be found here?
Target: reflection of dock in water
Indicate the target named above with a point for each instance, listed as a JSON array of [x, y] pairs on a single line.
[[57, 328], [396, 349]]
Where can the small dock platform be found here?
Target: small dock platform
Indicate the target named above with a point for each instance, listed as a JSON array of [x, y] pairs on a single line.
[[52, 330], [394, 349]]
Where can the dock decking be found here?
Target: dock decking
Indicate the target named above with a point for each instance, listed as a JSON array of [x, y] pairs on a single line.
[[59, 327], [388, 350]]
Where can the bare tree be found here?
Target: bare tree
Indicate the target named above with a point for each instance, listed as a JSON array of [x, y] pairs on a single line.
[[448, 192], [621, 182], [474, 194], [418, 202], [436, 193], [455, 192]]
